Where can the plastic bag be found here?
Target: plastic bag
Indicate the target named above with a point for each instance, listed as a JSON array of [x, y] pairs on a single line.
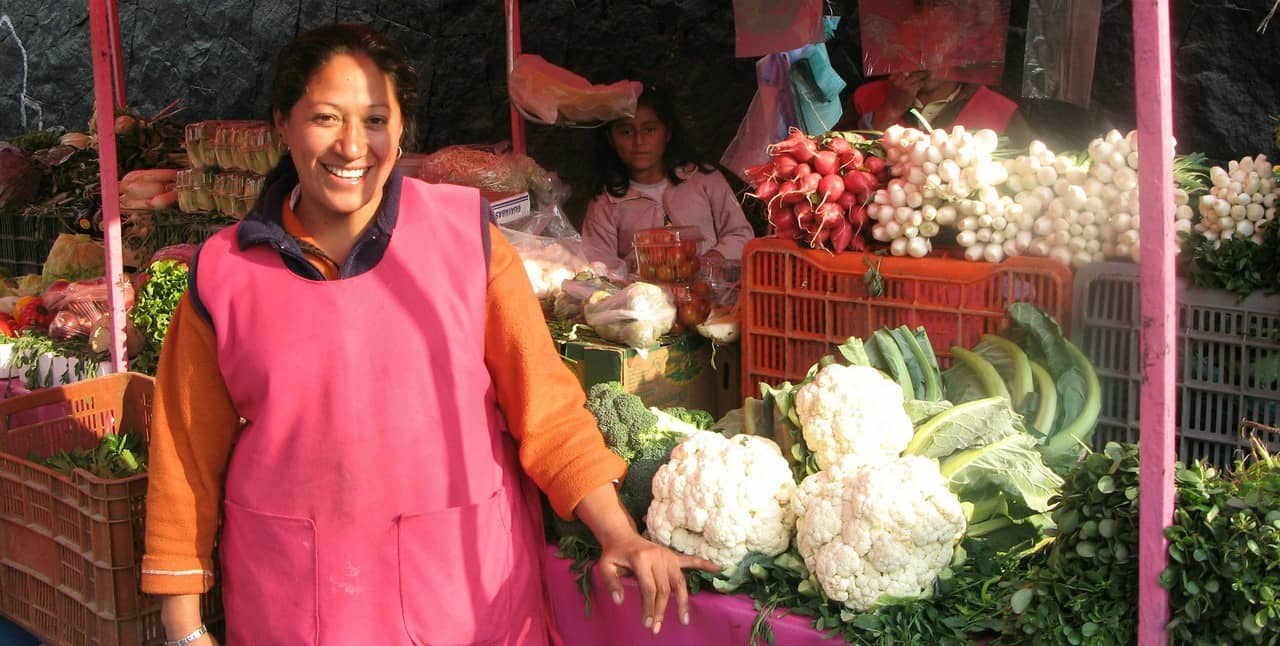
[[550, 261], [552, 95], [481, 168], [574, 295], [770, 114], [958, 40], [74, 256], [1062, 42], [636, 316], [816, 86], [763, 27]]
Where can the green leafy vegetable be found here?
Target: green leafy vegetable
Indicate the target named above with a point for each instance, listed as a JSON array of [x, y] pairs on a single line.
[[153, 309]]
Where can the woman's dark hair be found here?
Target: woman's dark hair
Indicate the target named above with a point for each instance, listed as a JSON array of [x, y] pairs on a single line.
[[306, 54], [612, 174]]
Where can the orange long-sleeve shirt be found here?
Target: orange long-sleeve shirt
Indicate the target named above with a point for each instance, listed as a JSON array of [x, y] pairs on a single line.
[[195, 423]]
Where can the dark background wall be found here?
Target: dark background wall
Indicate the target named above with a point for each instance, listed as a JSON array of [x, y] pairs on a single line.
[[215, 57]]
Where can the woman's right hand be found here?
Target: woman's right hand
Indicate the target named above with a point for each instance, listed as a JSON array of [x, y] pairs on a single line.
[[901, 97]]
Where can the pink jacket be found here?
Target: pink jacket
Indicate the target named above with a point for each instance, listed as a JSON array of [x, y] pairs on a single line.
[[703, 200]]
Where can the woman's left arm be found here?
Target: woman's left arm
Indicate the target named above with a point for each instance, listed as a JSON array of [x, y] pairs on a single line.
[[732, 229]]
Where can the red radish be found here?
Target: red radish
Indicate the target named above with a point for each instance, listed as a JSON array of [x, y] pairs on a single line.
[[809, 183], [859, 244], [859, 184], [806, 218], [798, 145], [789, 193], [766, 190], [841, 147], [785, 166], [825, 162], [847, 201], [855, 158], [784, 222], [803, 169], [841, 237], [858, 217], [831, 187], [757, 175], [874, 164], [820, 238], [830, 215]]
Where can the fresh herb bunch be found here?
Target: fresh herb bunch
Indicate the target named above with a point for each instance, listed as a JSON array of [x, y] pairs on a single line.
[[1238, 265], [153, 309], [1224, 575], [115, 456], [1082, 586]]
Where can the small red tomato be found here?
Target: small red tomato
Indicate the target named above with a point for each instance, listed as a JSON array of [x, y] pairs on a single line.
[[687, 315], [648, 271], [666, 273], [701, 289]]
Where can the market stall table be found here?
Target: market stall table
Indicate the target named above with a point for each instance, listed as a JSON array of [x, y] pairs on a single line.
[[714, 619]]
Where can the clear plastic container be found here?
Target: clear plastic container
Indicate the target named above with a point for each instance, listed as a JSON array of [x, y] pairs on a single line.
[[195, 190], [667, 254]]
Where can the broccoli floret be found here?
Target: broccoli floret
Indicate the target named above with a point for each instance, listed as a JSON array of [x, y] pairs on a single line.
[[622, 417], [699, 418], [636, 491]]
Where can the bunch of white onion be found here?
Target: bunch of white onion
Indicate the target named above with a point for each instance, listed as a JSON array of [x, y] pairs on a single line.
[[938, 178], [1064, 221], [1242, 199]]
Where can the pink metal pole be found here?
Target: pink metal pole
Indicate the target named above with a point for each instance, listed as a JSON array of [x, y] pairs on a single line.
[[117, 60], [1152, 72], [513, 50], [104, 114]]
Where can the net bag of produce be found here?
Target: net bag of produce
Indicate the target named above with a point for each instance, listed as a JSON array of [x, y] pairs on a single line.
[[552, 95]]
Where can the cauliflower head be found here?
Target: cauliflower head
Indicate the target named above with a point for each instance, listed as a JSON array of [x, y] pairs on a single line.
[[853, 411], [871, 532], [721, 498]]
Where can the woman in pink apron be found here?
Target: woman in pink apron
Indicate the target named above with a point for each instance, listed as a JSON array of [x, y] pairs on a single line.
[[352, 398]]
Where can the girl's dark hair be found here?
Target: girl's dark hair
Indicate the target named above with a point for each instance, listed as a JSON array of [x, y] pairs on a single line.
[[612, 175], [306, 54]]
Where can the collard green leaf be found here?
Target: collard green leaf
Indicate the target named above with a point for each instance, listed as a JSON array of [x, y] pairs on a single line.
[[1012, 463]]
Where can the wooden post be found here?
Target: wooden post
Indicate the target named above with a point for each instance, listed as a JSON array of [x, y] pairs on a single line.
[[105, 57], [513, 50], [1152, 76]]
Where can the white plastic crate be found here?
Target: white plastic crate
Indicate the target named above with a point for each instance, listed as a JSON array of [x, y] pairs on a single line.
[[1228, 361]]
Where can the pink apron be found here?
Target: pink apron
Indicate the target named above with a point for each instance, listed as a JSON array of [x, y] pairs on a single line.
[[374, 495]]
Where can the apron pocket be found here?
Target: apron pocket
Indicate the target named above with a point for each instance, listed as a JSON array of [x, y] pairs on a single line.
[[455, 566], [269, 577]]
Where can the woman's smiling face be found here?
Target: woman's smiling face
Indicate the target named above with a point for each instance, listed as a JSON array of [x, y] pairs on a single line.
[[343, 135]]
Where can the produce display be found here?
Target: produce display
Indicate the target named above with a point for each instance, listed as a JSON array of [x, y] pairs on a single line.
[[114, 457]]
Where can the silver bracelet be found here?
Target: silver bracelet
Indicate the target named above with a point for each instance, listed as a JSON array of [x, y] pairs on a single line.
[[195, 634]]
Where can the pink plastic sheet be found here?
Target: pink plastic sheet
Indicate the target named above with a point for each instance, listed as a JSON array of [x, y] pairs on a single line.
[[763, 27], [713, 618], [960, 40]]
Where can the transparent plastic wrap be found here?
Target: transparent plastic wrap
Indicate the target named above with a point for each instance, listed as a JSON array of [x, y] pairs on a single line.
[[485, 168], [574, 295], [636, 316], [1062, 43], [763, 27], [551, 95], [550, 261], [771, 111], [959, 40]]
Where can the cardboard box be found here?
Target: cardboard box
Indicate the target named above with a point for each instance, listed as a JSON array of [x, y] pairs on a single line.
[[679, 374]]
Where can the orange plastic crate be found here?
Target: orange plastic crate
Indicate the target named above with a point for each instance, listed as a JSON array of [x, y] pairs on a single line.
[[71, 545], [798, 304]]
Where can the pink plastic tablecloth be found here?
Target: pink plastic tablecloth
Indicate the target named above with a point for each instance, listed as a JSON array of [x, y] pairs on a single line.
[[714, 619]]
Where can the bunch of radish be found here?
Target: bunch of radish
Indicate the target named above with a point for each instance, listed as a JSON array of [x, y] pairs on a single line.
[[1242, 200], [942, 178], [817, 190]]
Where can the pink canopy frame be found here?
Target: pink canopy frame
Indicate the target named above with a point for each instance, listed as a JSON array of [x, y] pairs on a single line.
[[1153, 88]]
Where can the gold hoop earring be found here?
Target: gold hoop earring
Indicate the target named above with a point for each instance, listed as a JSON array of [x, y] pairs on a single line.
[[399, 152]]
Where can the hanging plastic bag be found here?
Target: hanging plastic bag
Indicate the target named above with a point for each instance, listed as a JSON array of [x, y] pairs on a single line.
[[552, 95], [763, 27], [771, 112], [1062, 42], [816, 86], [959, 40]]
